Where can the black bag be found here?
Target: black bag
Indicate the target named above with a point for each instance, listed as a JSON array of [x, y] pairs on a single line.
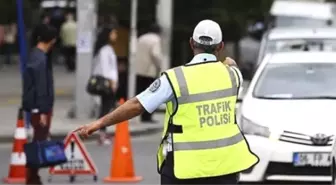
[[99, 85], [41, 154]]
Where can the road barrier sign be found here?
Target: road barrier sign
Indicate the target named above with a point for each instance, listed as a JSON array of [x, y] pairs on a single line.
[[79, 160]]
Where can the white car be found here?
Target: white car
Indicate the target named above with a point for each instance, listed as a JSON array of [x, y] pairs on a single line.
[[288, 117], [294, 38], [333, 164]]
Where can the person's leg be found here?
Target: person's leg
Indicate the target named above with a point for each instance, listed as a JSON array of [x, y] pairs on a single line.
[[141, 85], [107, 102], [8, 53], [72, 58], [146, 82], [139, 89], [226, 179], [231, 179], [66, 57], [40, 133], [165, 180]]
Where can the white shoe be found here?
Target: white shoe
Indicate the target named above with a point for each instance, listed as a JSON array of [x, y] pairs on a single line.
[[103, 139], [107, 142]]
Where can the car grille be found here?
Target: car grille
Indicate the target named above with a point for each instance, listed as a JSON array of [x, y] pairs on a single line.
[[276, 168], [303, 139]]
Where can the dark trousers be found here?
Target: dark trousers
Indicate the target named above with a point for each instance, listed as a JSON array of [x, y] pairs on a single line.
[[107, 103], [9, 49], [227, 179], [40, 133], [142, 83], [70, 57]]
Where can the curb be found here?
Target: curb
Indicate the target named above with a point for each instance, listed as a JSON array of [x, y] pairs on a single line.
[[61, 136]]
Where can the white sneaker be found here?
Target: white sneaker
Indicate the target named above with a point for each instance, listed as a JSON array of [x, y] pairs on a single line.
[[107, 142], [103, 139]]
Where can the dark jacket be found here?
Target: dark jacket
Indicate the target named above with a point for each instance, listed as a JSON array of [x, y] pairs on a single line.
[[38, 83], [34, 39]]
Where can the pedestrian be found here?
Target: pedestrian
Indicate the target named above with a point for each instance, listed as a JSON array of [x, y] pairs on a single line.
[[9, 39], [38, 91], [201, 142], [106, 65], [37, 31], [44, 20], [148, 63], [68, 37]]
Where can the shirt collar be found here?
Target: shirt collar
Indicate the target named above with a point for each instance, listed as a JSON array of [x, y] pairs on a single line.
[[203, 57]]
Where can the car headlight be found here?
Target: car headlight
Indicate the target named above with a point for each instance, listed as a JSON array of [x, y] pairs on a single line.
[[248, 127]]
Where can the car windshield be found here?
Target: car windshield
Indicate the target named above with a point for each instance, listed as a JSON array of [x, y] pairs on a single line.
[[297, 81], [286, 21]]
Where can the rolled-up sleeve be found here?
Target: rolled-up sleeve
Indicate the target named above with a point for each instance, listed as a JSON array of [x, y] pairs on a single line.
[[156, 94]]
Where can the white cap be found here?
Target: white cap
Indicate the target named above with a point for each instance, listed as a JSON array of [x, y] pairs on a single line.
[[207, 28]]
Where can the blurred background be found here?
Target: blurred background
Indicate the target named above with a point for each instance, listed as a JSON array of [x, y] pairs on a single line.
[[241, 21], [244, 23], [251, 30]]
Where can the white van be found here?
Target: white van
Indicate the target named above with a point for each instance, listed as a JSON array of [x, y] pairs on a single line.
[[302, 13]]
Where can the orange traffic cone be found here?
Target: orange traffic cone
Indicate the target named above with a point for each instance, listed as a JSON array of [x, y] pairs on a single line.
[[17, 168], [122, 169]]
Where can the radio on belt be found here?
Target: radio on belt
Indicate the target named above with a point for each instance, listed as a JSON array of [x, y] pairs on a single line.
[[79, 160]]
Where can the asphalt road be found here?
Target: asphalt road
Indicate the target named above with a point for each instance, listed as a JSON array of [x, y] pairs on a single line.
[[144, 150]]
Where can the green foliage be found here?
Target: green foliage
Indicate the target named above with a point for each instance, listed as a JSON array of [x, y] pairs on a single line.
[[186, 12], [8, 12], [231, 15]]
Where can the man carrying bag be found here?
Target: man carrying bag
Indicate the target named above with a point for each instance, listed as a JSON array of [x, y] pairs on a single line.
[[38, 99]]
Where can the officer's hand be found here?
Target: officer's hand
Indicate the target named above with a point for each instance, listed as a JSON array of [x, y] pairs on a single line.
[[229, 61], [88, 129]]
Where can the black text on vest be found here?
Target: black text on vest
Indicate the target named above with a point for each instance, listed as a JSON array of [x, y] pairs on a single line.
[[214, 114]]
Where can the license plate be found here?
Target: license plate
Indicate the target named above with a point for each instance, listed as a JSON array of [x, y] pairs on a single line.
[[315, 159]]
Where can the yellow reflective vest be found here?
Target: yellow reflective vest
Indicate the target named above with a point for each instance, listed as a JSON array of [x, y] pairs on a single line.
[[206, 141]]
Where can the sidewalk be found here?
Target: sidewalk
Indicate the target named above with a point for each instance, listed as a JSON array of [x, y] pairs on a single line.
[[10, 98], [61, 125], [11, 84]]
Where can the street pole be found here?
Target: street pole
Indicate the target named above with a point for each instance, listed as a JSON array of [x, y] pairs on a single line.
[[164, 16], [132, 49], [23, 48], [86, 28]]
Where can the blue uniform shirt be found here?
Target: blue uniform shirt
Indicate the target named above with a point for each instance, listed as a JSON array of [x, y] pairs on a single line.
[[161, 92]]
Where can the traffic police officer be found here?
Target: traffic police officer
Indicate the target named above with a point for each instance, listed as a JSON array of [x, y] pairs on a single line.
[[201, 142]]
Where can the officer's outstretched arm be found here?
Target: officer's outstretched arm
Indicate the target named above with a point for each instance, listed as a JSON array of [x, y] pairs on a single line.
[[229, 61], [126, 111]]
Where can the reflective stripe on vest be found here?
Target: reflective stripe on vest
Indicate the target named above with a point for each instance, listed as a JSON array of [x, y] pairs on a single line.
[[190, 98], [210, 142]]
